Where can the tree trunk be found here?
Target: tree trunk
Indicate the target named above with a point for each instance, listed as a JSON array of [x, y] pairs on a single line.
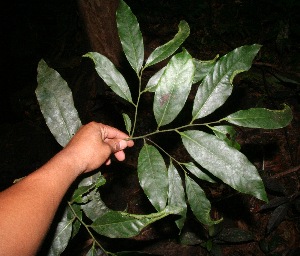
[[99, 19]]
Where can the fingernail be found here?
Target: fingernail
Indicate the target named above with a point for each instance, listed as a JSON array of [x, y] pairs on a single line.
[[122, 144]]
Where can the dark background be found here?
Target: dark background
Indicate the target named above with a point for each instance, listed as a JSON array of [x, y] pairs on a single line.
[[57, 32]]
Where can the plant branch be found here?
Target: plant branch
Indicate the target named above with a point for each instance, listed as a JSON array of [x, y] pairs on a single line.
[[175, 129], [137, 103], [89, 231]]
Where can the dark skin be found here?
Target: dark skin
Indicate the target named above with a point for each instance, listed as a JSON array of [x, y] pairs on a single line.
[[28, 207]]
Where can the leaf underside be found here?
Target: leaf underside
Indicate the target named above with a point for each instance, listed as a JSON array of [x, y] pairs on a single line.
[[56, 103], [224, 162]]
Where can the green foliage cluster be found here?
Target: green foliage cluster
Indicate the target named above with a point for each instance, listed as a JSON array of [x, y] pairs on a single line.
[[168, 191]]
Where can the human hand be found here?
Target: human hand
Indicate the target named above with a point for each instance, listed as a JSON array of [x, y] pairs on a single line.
[[93, 144]]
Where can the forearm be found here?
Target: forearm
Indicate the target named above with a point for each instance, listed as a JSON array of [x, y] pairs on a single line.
[[29, 206]]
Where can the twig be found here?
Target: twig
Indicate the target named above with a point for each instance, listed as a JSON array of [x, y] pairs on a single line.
[[279, 175]]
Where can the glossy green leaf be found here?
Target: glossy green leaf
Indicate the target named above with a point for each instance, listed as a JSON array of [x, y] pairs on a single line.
[[110, 75], [198, 172], [127, 122], [224, 162], [202, 68], [199, 204], [130, 36], [116, 224], [62, 235], [164, 51], [153, 176], [154, 80], [261, 118], [176, 195], [226, 133], [217, 85], [56, 103], [173, 88]]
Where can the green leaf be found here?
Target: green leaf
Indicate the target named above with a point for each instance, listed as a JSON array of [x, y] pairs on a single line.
[[153, 81], [94, 207], [176, 194], [76, 223], [224, 162], [199, 204], [198, 173], [173, 88], [130, 36], [93, 251], [217, 85], [110, 75], [56, 103], [153, 177], [226, 133], [166, 50], [79, 192], [62, 235], [127, 122], [202, 68], [261, 118], [116, 224], [97, 178]]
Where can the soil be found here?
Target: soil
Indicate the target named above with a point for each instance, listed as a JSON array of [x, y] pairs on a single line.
[[54, 31]]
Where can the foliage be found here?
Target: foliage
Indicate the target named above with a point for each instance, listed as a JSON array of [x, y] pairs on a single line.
[[161, 180]]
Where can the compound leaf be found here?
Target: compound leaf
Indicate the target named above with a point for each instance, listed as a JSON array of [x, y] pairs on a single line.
[[199, 204], [176, 194], [224, 162], [56, 103], [173, 88], [110, 75], [217, 85], [130, 36], [153, 177], [166, 50], [261, 118]]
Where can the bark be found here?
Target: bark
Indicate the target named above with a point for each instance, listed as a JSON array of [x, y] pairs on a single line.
[[99, 19]]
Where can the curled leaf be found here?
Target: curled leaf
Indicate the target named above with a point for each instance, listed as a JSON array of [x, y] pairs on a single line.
[[261, 118], [166, 50]]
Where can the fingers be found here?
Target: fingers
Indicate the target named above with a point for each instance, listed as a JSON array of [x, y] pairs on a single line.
[[113, 133]]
